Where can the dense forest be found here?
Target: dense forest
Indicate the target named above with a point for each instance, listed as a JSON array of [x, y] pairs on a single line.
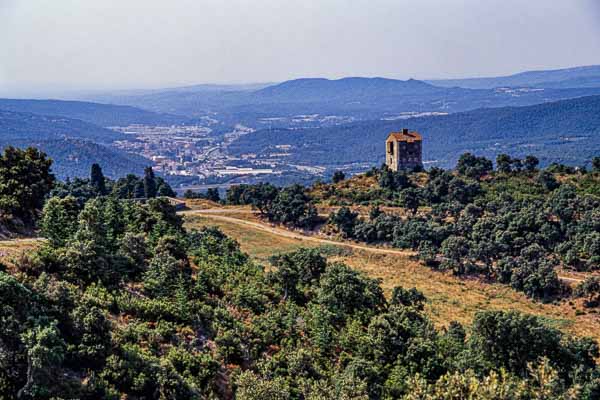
[[26, 179], [129, 187], [121, 301]]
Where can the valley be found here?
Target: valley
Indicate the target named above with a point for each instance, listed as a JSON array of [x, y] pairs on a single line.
[[264, 273], [303, 130]]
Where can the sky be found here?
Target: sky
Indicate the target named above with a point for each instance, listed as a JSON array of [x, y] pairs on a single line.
[[126, 44]]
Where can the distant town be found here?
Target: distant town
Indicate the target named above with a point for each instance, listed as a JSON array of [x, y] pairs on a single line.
[[192, 152], [196, 157]]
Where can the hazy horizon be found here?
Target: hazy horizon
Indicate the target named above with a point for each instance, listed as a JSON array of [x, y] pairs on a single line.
[[67, 45]]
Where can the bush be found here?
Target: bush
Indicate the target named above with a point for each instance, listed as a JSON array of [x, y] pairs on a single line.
[[338, 176], [409, 298], [346, 293], [344, 220], [473, 166], [589, 288]]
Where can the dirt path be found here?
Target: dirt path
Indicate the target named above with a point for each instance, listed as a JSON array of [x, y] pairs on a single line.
[[567, 279], [8, 242], [213, 214], [219, 211], [232, 211]]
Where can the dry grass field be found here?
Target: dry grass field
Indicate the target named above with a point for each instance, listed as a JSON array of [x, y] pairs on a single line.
[[259, 244], [449, 298], [10, 250]]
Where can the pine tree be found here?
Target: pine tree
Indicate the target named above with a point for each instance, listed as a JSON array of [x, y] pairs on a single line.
[[149, 183], [212, 194], [596, 164], [97, 179], [338, 176], [59, 220], [25, 180]]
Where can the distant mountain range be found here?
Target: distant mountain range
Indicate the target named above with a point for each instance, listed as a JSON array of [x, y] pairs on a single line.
[[578, 77], [384, 97], [95, 113], [362, 98], [566, 131], [74, 145]]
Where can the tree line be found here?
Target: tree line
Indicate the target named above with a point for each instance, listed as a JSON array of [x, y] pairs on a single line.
[[26, 181]]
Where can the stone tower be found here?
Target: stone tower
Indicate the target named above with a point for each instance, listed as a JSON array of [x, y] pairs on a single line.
[[403, 150]]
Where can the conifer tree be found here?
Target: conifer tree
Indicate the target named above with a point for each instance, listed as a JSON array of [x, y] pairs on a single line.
[[149, 183], [97, 179]]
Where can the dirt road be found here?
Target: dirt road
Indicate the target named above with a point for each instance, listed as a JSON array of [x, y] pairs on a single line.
[[9, 242], [214, 214]]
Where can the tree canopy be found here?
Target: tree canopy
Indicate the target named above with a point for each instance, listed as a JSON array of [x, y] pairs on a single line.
[[25, 180]]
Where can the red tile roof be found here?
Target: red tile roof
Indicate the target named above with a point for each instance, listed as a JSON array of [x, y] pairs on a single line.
[[405, 137]]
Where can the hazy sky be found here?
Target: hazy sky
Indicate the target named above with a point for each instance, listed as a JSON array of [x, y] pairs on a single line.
[[86, 44]]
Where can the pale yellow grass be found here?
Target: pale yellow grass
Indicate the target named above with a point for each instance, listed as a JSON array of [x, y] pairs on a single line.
[[258, 244], [11, 250]]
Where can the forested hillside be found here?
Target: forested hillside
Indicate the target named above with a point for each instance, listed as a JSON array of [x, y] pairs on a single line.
[[74, 157], [27, 177], [27, 126], [94, 113], [566, 131], [516, 225], [122, 301], [74, 145]]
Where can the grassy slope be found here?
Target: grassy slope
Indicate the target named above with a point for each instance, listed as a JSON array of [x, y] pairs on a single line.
[[259, 244], [11, 250], [450, 298]]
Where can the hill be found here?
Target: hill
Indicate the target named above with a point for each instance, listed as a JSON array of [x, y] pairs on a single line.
[[566, 131], [74, 157], [28, 126], [345, 89], [95, 113], [578, 77], [123, 301], [74, 145], [394, 270]]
